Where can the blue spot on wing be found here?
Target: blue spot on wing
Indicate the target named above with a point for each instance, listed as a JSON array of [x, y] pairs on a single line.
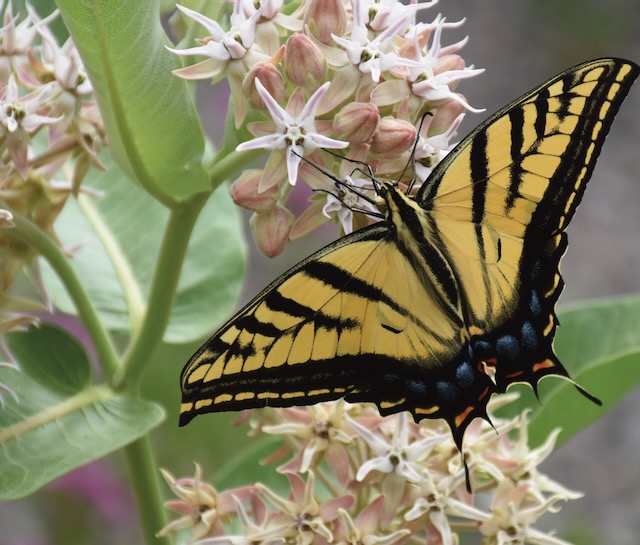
[[529, 336], [416, 388], [464, 375], [507, 347], [534, 304], [446, 390]]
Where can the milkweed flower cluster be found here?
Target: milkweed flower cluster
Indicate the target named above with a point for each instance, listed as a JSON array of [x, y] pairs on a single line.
[[357, 478], [47, 117], [353, 76]]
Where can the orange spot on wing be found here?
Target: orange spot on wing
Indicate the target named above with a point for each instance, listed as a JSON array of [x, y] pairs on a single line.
[[546, 364], [484, 394], [463, 416]]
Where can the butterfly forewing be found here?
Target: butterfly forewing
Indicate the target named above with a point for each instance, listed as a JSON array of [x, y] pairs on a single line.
[[515, 182], [413, 313], [334, 325]]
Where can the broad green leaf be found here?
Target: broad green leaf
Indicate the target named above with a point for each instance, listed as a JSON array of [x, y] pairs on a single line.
[[151, 122], [116, 240], [599, 344], [61, 421]]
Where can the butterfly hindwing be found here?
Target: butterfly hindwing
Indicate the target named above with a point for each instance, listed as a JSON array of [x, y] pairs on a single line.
[[450, 298], [501, 199]]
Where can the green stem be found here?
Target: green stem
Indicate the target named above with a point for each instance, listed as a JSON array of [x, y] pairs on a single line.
[[121, 265], [226, 164], [46, 246], [163, 288], [144, 481]]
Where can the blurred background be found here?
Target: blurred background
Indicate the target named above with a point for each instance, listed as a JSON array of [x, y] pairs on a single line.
[[520, 44]]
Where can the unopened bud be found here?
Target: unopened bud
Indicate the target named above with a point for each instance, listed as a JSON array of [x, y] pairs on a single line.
[[356, 122], [326, 17], [244, 192], [448, 62], [393, 136], [270, 78], [303, 61], [445, 114], [271, 230]]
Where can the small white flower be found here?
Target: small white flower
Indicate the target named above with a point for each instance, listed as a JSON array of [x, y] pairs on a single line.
[[513, 511], [434, 87], [344, 205], [396, 455], [63, 62], [383, 13], [432, 149], [221, 45], [438, 501], [372, 56], [295, 133], [20, 112], [15, 40]]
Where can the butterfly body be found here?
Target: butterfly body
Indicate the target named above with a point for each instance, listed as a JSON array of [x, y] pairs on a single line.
[[447, 300]]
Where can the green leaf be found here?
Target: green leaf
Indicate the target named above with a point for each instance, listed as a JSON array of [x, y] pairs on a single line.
[[61, 421], [599, 344], [117, 238], [148, 113]]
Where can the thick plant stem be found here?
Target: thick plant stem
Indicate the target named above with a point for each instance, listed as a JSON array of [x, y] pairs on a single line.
[[163, 288], [144, 481], [226, 165], [46, 246]]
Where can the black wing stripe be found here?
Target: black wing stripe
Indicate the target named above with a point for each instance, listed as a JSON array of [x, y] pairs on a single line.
[[432, 259], [542, 109], [581, 152], [516, 118], [479, 173]]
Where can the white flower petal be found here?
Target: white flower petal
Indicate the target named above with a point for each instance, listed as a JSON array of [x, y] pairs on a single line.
[[269, 141], [294, 154]]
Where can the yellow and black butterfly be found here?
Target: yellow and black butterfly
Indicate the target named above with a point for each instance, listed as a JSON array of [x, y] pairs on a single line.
[[447, 300]]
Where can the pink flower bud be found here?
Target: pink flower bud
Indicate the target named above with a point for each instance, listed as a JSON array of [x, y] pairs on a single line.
[[448, 62], [393, 136], [270, 78], [445, 114], [271, 230], [356, 122], [303, 61], [326, 17], [244, 192]]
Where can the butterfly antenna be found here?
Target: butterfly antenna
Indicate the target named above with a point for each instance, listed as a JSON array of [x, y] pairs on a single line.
[[353, 208], [324, 171], [412, 159], [339, 183], [368, 174], [344, 158]]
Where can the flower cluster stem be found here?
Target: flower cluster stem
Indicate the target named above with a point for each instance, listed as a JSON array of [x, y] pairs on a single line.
[[144, 481], [47, 247]]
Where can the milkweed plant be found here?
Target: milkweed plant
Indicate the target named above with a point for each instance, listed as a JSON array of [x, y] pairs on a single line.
[[121, 240]]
